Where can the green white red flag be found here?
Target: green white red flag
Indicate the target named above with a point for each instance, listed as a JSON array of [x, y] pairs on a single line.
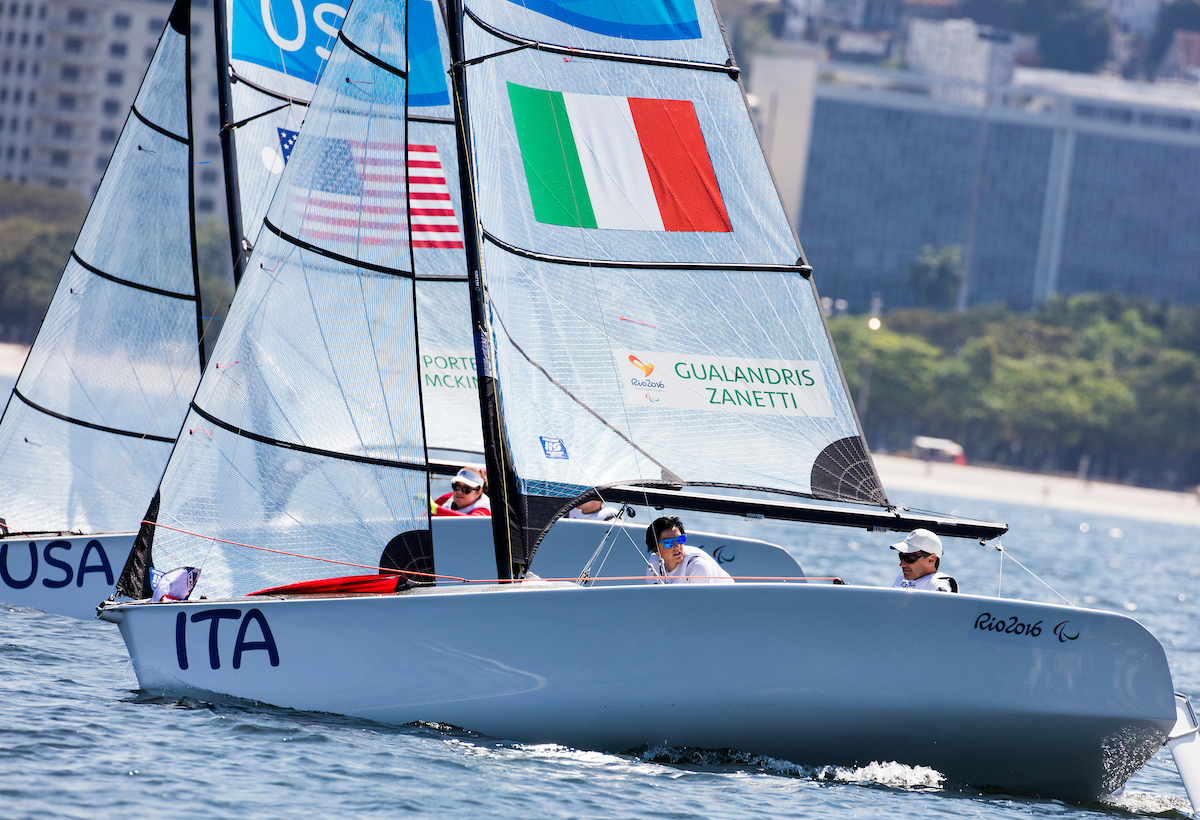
[[627, 163]]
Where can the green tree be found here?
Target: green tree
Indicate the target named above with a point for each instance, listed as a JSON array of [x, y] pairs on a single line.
[[32, 259], [937, 275]]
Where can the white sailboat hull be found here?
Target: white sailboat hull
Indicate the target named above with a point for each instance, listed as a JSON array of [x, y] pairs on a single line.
[[1058, 702], [66, 575]]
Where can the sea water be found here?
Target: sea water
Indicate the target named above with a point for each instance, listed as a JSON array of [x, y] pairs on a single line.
[[78, 740]]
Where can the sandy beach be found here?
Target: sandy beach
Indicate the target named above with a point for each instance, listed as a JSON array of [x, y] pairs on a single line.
[[1038, 490], [11, 358], [966, 481]]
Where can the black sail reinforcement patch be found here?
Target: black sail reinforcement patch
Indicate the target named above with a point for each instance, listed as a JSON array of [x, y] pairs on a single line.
[[844, 472]]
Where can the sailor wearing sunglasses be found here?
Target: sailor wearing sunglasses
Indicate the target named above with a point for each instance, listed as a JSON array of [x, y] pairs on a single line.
[[674, 562], [920, 557]]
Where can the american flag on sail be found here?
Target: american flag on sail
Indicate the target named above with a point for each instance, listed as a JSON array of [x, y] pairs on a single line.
[[356, 194], [434, 224]]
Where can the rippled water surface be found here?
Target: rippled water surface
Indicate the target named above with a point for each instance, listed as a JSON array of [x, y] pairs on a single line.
[[76, 740]]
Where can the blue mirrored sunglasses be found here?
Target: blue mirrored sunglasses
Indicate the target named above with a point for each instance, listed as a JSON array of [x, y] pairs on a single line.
[[678, 540]]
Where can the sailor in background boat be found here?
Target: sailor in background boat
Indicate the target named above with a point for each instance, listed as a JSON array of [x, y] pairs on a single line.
[[676, 562], [920, 558], [593, 510], [468, 495]]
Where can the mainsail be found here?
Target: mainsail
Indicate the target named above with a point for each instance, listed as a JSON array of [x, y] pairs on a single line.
[[305, 438], [91, 421], [447, 354], [271, 56], [651, 316], [277, 52]]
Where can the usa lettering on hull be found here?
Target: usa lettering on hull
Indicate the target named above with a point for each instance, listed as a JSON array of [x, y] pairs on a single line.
[[725, 384], [56, 564]]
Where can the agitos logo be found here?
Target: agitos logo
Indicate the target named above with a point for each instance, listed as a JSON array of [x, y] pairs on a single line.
[[1062, 635], [646, 369]]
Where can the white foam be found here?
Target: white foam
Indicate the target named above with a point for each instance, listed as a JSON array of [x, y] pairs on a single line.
[[1145, 803], [895, 775]]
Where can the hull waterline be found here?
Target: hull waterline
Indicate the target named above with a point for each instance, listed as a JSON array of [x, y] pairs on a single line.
[[1057, 702]]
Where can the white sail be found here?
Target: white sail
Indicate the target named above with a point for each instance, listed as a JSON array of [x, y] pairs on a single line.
[[276, 52], [651, 316], [449, 385], [91, 422], [305, 436]]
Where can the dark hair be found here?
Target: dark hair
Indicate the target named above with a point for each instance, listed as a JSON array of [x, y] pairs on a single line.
[[937, 563], [659, 526]]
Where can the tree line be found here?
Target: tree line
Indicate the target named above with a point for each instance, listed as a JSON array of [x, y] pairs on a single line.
[[38, 228], [1113, 379]]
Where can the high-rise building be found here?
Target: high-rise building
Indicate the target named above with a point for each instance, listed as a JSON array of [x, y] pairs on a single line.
[[1061, 183], [69, 71]]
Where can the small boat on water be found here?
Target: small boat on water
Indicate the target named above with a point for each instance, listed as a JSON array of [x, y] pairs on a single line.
[[647, 332]]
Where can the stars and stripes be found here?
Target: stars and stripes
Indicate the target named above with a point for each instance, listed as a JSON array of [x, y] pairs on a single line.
[[434, 224], [354, 192]]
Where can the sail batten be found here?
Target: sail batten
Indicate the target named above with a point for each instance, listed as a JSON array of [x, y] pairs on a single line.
[[726, 67], [651, 315], [305, 448], [106, 384]]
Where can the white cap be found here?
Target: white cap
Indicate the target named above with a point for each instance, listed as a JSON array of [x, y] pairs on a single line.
[[920, 540], [469, 477]]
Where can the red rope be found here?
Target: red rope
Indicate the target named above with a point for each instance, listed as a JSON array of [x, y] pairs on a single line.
[[484, 580]]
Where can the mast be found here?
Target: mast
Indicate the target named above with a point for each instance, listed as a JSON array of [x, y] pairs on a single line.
[[233, 201], [184, 11], [501, 481]]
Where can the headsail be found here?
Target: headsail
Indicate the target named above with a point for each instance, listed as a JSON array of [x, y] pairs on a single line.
[[91, 422], [651, 316], [277, 53], [306, 436]]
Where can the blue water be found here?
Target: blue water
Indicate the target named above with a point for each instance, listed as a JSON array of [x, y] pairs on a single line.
[[76, 740]]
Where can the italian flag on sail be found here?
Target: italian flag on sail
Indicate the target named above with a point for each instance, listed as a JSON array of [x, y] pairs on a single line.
[[629, 163]]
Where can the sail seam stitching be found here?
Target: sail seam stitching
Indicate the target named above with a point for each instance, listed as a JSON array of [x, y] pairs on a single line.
[[148, 288], [732, 70], [803, 270], [371, 58], [308, 246], [156, 126], [83, 423], [274, 442]]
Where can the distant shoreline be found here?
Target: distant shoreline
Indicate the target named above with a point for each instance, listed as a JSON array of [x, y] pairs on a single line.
[[1053, 492], [12, 357]]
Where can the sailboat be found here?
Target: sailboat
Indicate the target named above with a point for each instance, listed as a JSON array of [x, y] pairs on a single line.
[[89, 427], [646, 331], [92, 419]]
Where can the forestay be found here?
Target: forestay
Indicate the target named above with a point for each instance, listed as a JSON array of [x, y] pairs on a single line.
[[650, 311], [305, 436], [90, 424]]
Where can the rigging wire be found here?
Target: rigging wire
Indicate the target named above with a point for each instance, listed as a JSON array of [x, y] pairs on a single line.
[[999, 548]]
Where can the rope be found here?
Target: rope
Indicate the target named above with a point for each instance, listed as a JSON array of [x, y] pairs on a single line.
[[483, 580]]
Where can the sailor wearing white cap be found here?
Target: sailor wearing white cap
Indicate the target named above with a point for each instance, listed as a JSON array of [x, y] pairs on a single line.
[[920, 558], [468, 495]]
